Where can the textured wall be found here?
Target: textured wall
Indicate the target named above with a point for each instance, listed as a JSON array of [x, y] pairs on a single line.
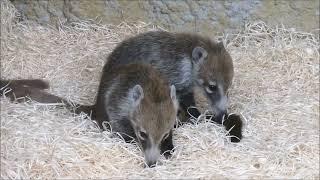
[[188, 15]]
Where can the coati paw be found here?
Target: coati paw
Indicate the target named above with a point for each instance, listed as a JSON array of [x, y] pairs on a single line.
[[194, 112], [167, 148], [233, 124], [167, 154]]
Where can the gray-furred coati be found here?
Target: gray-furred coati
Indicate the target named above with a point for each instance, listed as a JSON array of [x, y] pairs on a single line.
[[135, 101], [186, 60]]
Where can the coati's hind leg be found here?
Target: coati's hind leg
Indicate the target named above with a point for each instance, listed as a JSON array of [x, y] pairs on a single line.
[[167, 146], [187, 107]]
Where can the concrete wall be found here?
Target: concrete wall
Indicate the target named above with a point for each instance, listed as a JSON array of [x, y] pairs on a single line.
[[205, 16]]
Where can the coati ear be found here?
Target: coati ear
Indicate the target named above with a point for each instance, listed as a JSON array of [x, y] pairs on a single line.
[[199, 54], [136, 95], [173, 96]]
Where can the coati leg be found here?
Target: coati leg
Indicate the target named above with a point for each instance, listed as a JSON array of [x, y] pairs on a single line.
[[167, 146], [233, 124], [187, 107]]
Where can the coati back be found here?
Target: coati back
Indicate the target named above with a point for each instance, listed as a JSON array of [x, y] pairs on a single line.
[[136, 102], [186, 60]]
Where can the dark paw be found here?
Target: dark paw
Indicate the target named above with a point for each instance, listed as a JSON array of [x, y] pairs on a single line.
[[186, 116], [235, 139], [233, 124], [167, 154], [194, 112], [167, 147]]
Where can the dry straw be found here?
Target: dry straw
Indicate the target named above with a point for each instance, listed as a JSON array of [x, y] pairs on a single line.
[[275, 89]]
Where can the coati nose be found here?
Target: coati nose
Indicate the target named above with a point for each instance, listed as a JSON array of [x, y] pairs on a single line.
[[219, 116], [151, 164], [152, 155]]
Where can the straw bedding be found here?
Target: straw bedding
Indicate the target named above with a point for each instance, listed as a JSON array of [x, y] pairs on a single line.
[[275, 90]]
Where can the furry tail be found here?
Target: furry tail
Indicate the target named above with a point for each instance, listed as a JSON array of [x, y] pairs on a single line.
[[18, 88], [36, 83], [34, 89]]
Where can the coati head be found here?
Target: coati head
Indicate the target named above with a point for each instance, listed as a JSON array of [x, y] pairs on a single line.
[[214, 72], [152, 119]]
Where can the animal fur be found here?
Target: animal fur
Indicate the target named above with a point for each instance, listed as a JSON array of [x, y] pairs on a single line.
[[187, 61]]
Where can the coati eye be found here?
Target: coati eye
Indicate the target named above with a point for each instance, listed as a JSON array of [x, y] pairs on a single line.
[[212, 87], [143, 135]]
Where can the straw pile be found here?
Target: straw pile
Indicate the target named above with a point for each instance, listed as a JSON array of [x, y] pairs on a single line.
[[275, 89]]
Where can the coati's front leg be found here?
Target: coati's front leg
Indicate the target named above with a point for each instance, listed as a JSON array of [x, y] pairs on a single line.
[[167, 146], [187, 107], [233, 124]]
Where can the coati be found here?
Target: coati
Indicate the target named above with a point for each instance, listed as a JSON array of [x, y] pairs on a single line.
[[139, 103], [136, 102], [186, 60]]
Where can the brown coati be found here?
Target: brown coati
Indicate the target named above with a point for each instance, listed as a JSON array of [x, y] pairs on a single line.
[[135, 102], [186, 60], [139, 103]]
